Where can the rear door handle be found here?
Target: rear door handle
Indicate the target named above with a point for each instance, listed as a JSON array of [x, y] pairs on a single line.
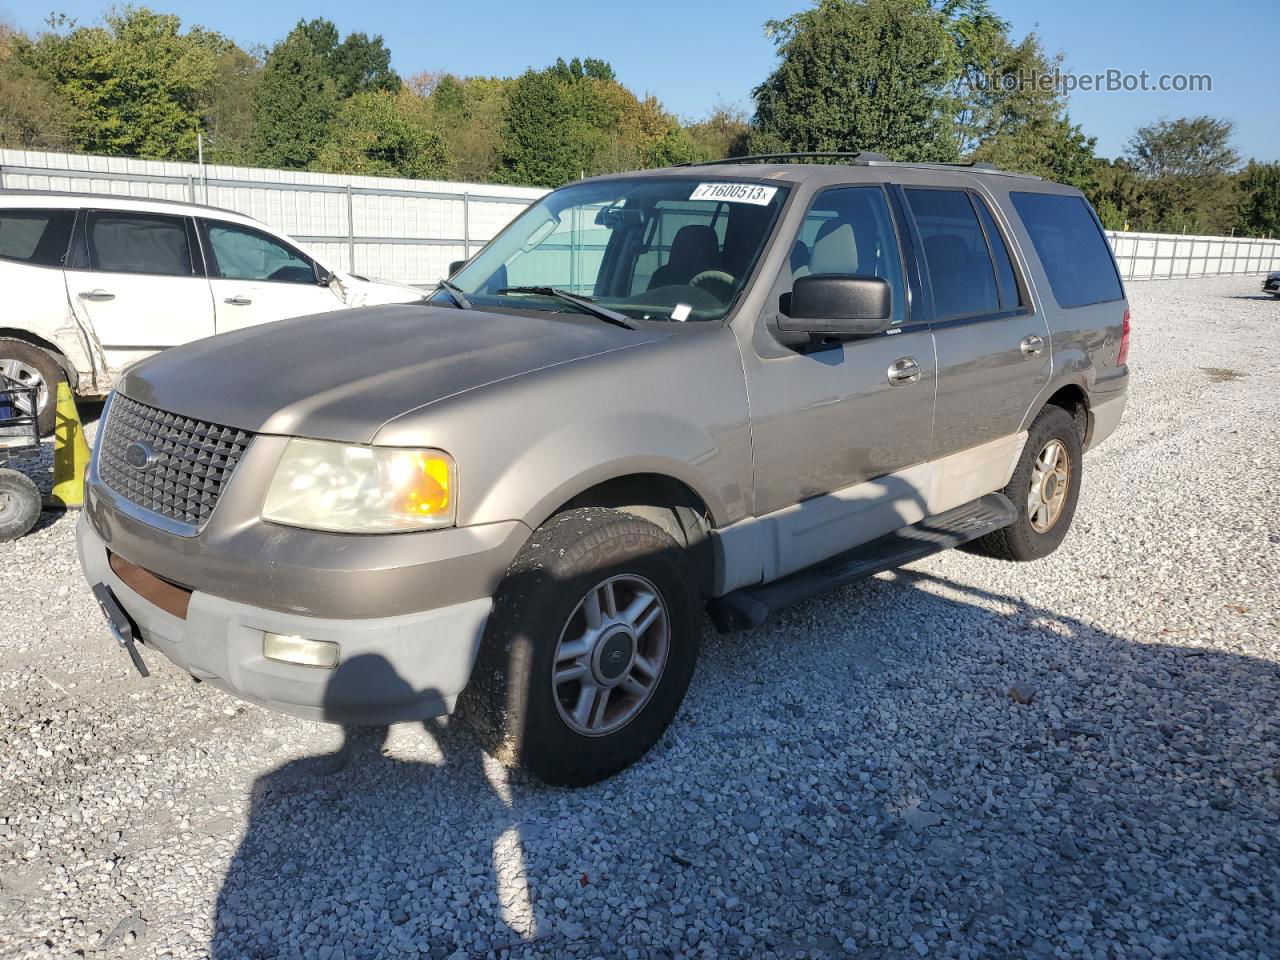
[[905, 370], [97, 296], [1032, 346], [238, 301]]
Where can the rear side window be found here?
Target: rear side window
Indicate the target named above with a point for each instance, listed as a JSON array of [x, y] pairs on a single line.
[[955, 249], [1071, 248], [37, 237], [1006, 278], [138, 243]]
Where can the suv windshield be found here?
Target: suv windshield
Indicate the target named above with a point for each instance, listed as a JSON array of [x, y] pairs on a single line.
[[648, 248]]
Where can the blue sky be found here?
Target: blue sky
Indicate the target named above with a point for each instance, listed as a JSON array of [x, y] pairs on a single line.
[[693, 55]]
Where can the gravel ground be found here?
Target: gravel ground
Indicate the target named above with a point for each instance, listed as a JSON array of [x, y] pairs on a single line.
[[853, 779]]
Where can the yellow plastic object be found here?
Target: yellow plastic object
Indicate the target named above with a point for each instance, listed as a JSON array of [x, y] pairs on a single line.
[[70, 453]]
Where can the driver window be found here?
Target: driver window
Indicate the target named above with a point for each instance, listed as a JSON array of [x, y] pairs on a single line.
[[242, 253], [850, 230]]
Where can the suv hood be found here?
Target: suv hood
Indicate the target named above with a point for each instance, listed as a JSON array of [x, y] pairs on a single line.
[[342, 375]]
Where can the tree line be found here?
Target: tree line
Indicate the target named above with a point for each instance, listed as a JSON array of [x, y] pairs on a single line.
[[916, 80]]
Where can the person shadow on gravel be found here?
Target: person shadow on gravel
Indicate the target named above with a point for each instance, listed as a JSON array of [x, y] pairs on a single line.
[[343, 855]]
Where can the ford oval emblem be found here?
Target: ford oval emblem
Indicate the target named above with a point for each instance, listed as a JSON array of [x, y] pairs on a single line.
[[139, 455]]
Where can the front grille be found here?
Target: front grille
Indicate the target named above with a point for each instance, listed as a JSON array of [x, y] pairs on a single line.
[[188, 462]]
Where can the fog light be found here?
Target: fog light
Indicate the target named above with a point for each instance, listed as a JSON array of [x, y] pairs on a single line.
[[300, 650]]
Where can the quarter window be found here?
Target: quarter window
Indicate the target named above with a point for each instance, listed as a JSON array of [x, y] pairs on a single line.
[[961, 274], [138, 243], [242, 253], [1071, 247], [1006, 278], [37, 237], [849, 230]]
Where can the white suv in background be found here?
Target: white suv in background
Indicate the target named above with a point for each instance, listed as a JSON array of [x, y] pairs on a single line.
[[95, 283]]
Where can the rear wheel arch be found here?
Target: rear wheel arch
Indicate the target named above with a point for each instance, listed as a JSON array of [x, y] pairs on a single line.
[[55, 354], [1073, 399]]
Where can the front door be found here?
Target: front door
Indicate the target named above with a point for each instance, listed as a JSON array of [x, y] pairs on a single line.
[[257, 278], [136, 280], [837, 428]]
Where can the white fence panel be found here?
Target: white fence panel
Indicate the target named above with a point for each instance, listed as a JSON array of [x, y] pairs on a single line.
[[410, 230], [1166, 256], [397, 229]]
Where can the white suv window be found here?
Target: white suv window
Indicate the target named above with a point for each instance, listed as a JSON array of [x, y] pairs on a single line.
[[242, 253], [37, 237], [138, 243]]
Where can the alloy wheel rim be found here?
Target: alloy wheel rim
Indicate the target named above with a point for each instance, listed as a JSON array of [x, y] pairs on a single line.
[[27, 376], [610, 655], [1050, 483]]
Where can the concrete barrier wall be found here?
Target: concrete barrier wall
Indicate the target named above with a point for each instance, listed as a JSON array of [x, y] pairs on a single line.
[[410, 230]]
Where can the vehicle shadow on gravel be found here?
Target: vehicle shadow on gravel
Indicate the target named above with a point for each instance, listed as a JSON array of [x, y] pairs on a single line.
[[331, 864], [840, 783]]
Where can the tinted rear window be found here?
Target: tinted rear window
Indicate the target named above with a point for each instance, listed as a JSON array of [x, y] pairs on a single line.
[[1072, 248], [139, 243], [35, 236], [955, 249]]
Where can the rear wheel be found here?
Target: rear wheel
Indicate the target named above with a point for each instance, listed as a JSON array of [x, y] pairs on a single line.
[[589, 650], [1044, 489], [30, 366], [19, 504]]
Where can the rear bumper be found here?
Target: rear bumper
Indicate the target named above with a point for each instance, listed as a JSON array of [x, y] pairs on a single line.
[[390, 669], [1106, 408]]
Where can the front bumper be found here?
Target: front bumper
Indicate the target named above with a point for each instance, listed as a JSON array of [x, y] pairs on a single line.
[[391, 669]]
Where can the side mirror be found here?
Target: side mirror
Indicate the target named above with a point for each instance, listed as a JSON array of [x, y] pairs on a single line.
[[323, 276], [838, 305], [454, 268]]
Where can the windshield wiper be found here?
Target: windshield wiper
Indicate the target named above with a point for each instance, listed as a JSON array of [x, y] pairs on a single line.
[[582, 303], [456, 294]]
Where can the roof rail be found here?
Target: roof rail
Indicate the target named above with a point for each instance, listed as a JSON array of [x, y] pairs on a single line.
[[853, 156]]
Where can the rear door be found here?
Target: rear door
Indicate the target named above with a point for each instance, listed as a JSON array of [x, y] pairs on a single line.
[[257, 278], [137, 279], [993, 348]]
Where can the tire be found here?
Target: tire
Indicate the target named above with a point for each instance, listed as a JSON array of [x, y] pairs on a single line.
[[33, 366], [19, 505], [522, 717], [1025, 540]]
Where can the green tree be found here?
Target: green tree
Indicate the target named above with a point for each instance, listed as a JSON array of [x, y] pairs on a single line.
[[377, 133], [1259, 188], [295, 101], [725, 133], [861, 75], [1186, 165], [33, 116], [541, 138], [226, 113], [361, 64], [135, 85], [469, 112]]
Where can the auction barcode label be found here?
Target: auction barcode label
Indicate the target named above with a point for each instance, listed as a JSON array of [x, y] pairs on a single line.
[[734, 193]]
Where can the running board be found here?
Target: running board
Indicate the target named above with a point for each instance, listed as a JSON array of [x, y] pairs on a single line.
[[751, 606]]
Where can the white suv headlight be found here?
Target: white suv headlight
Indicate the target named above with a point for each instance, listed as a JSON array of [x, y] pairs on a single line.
[[355, 489]]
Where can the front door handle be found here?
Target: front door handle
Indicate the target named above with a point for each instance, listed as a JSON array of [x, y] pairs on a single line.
[[1031, 346], [238, 301], [905, 370], [97, 296]]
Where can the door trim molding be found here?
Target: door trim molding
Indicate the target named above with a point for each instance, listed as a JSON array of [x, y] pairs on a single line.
[[761, 549]]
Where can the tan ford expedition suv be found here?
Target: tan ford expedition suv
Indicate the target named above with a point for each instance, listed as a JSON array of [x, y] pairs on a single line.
[[721, 388]]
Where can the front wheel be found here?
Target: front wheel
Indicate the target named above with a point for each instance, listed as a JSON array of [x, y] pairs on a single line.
[[1044, 489], [589, 651]]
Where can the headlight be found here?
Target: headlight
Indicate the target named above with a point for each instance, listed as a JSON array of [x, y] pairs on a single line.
[[353, 489]]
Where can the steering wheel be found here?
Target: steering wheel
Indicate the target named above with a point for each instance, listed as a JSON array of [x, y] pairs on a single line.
[[720, 275]]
